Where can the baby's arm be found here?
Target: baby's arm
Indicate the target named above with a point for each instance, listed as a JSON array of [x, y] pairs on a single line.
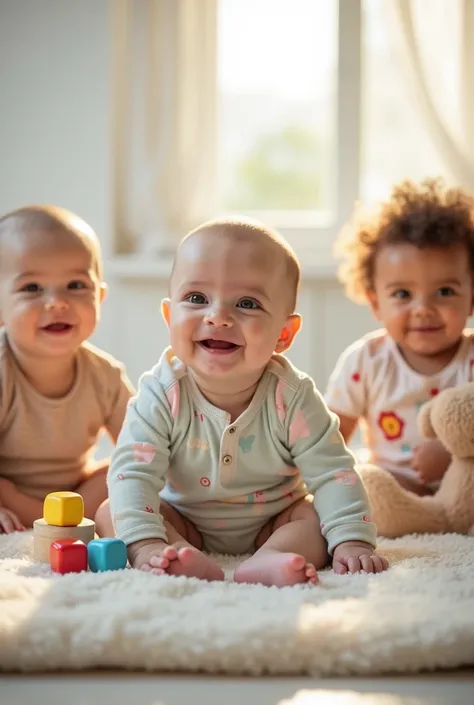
[[139, 464], [430, 460], [346, 392], [327, 467], [347, 425], [18, 508], [116, 393], [121, 392]]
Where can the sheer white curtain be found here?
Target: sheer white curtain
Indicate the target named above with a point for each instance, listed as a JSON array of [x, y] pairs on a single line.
[[165, 119], [435, 47]]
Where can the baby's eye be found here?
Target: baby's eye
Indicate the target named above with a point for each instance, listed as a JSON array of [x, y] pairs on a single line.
[[248, 304], [197, 299], [446, 291], [31, 288], [76, 284], [401, 294]]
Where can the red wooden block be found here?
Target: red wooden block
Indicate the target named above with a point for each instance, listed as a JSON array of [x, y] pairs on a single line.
[[68, 556]]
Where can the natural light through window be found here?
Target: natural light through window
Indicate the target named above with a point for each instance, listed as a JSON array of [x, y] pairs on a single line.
[[395, 142], [277, 81]]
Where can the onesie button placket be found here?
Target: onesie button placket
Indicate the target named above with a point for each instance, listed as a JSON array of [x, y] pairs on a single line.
[[228, 455]]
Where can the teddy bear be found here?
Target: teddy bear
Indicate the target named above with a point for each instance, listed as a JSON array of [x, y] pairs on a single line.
[[395, 511]]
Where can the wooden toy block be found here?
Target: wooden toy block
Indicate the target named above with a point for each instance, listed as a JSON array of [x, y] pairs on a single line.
[[45, 534], [107, 554], [63, 509], [68, 556]]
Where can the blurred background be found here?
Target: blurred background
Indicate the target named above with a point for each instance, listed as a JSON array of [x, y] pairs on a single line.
[[148, 116]]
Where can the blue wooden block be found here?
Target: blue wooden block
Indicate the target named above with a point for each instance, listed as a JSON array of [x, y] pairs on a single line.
[[106, 554]]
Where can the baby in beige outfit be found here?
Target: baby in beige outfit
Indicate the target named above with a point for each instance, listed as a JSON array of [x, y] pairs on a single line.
[[57, 391]]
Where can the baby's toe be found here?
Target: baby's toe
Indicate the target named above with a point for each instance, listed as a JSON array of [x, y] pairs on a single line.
[[170, 553], [311, 574]]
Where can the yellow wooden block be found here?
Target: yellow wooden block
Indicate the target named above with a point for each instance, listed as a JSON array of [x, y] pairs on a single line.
[[63, 509]]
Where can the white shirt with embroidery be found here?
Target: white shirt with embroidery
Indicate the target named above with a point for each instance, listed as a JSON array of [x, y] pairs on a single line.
[[374, 384]]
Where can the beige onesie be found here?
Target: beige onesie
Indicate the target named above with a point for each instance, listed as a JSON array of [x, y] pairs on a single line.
[[46, 444]]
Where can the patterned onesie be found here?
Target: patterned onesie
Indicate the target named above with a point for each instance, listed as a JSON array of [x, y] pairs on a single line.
[[230, 478], [373, 383]]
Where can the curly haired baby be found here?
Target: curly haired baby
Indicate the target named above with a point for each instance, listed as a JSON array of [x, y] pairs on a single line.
[[412, 262]]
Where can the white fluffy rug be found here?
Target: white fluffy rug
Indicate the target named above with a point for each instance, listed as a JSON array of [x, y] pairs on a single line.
[[419, 615]]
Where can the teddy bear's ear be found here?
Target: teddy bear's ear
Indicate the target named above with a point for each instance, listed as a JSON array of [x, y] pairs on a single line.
[[424, 420]]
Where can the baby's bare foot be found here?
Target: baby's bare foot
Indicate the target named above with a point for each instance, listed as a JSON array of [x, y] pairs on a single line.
[[187, 561], [275, 568]]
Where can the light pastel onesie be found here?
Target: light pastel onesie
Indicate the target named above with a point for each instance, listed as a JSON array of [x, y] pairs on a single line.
[[373, 383], [230, 478]]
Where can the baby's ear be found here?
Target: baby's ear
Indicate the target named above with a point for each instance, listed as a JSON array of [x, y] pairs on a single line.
[[165, 311], [103, 290], [424, 420]]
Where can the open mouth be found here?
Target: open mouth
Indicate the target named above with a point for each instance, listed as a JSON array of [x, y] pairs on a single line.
[[218, 345], [57, 328]]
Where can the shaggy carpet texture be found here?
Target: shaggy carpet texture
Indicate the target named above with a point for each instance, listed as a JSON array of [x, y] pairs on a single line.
[[418, 615]]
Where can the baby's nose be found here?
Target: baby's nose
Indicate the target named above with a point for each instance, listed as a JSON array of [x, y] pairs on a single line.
[[55, 303], [423, 305], [219, 316]]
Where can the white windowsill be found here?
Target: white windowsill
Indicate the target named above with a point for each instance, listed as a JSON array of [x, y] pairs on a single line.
[[140, 267]]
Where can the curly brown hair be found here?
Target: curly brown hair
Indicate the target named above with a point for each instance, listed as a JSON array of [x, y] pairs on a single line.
[[427, 214]]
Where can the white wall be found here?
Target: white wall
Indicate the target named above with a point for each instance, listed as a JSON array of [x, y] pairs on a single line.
[[55, 146], [54, 93], [55, 59]]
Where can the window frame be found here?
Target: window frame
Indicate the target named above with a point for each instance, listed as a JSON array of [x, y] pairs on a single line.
[[313, 241]]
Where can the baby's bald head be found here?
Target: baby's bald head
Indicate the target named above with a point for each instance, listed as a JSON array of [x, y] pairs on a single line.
[[267, 248], [48, 226]]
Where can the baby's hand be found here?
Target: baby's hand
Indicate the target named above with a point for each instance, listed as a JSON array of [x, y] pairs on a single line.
[[150, 556], [9, 522], [353, 556], [430, 461]]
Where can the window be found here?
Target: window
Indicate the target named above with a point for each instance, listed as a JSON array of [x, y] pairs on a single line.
[[260, 107], [248, 106], [277, 80]]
